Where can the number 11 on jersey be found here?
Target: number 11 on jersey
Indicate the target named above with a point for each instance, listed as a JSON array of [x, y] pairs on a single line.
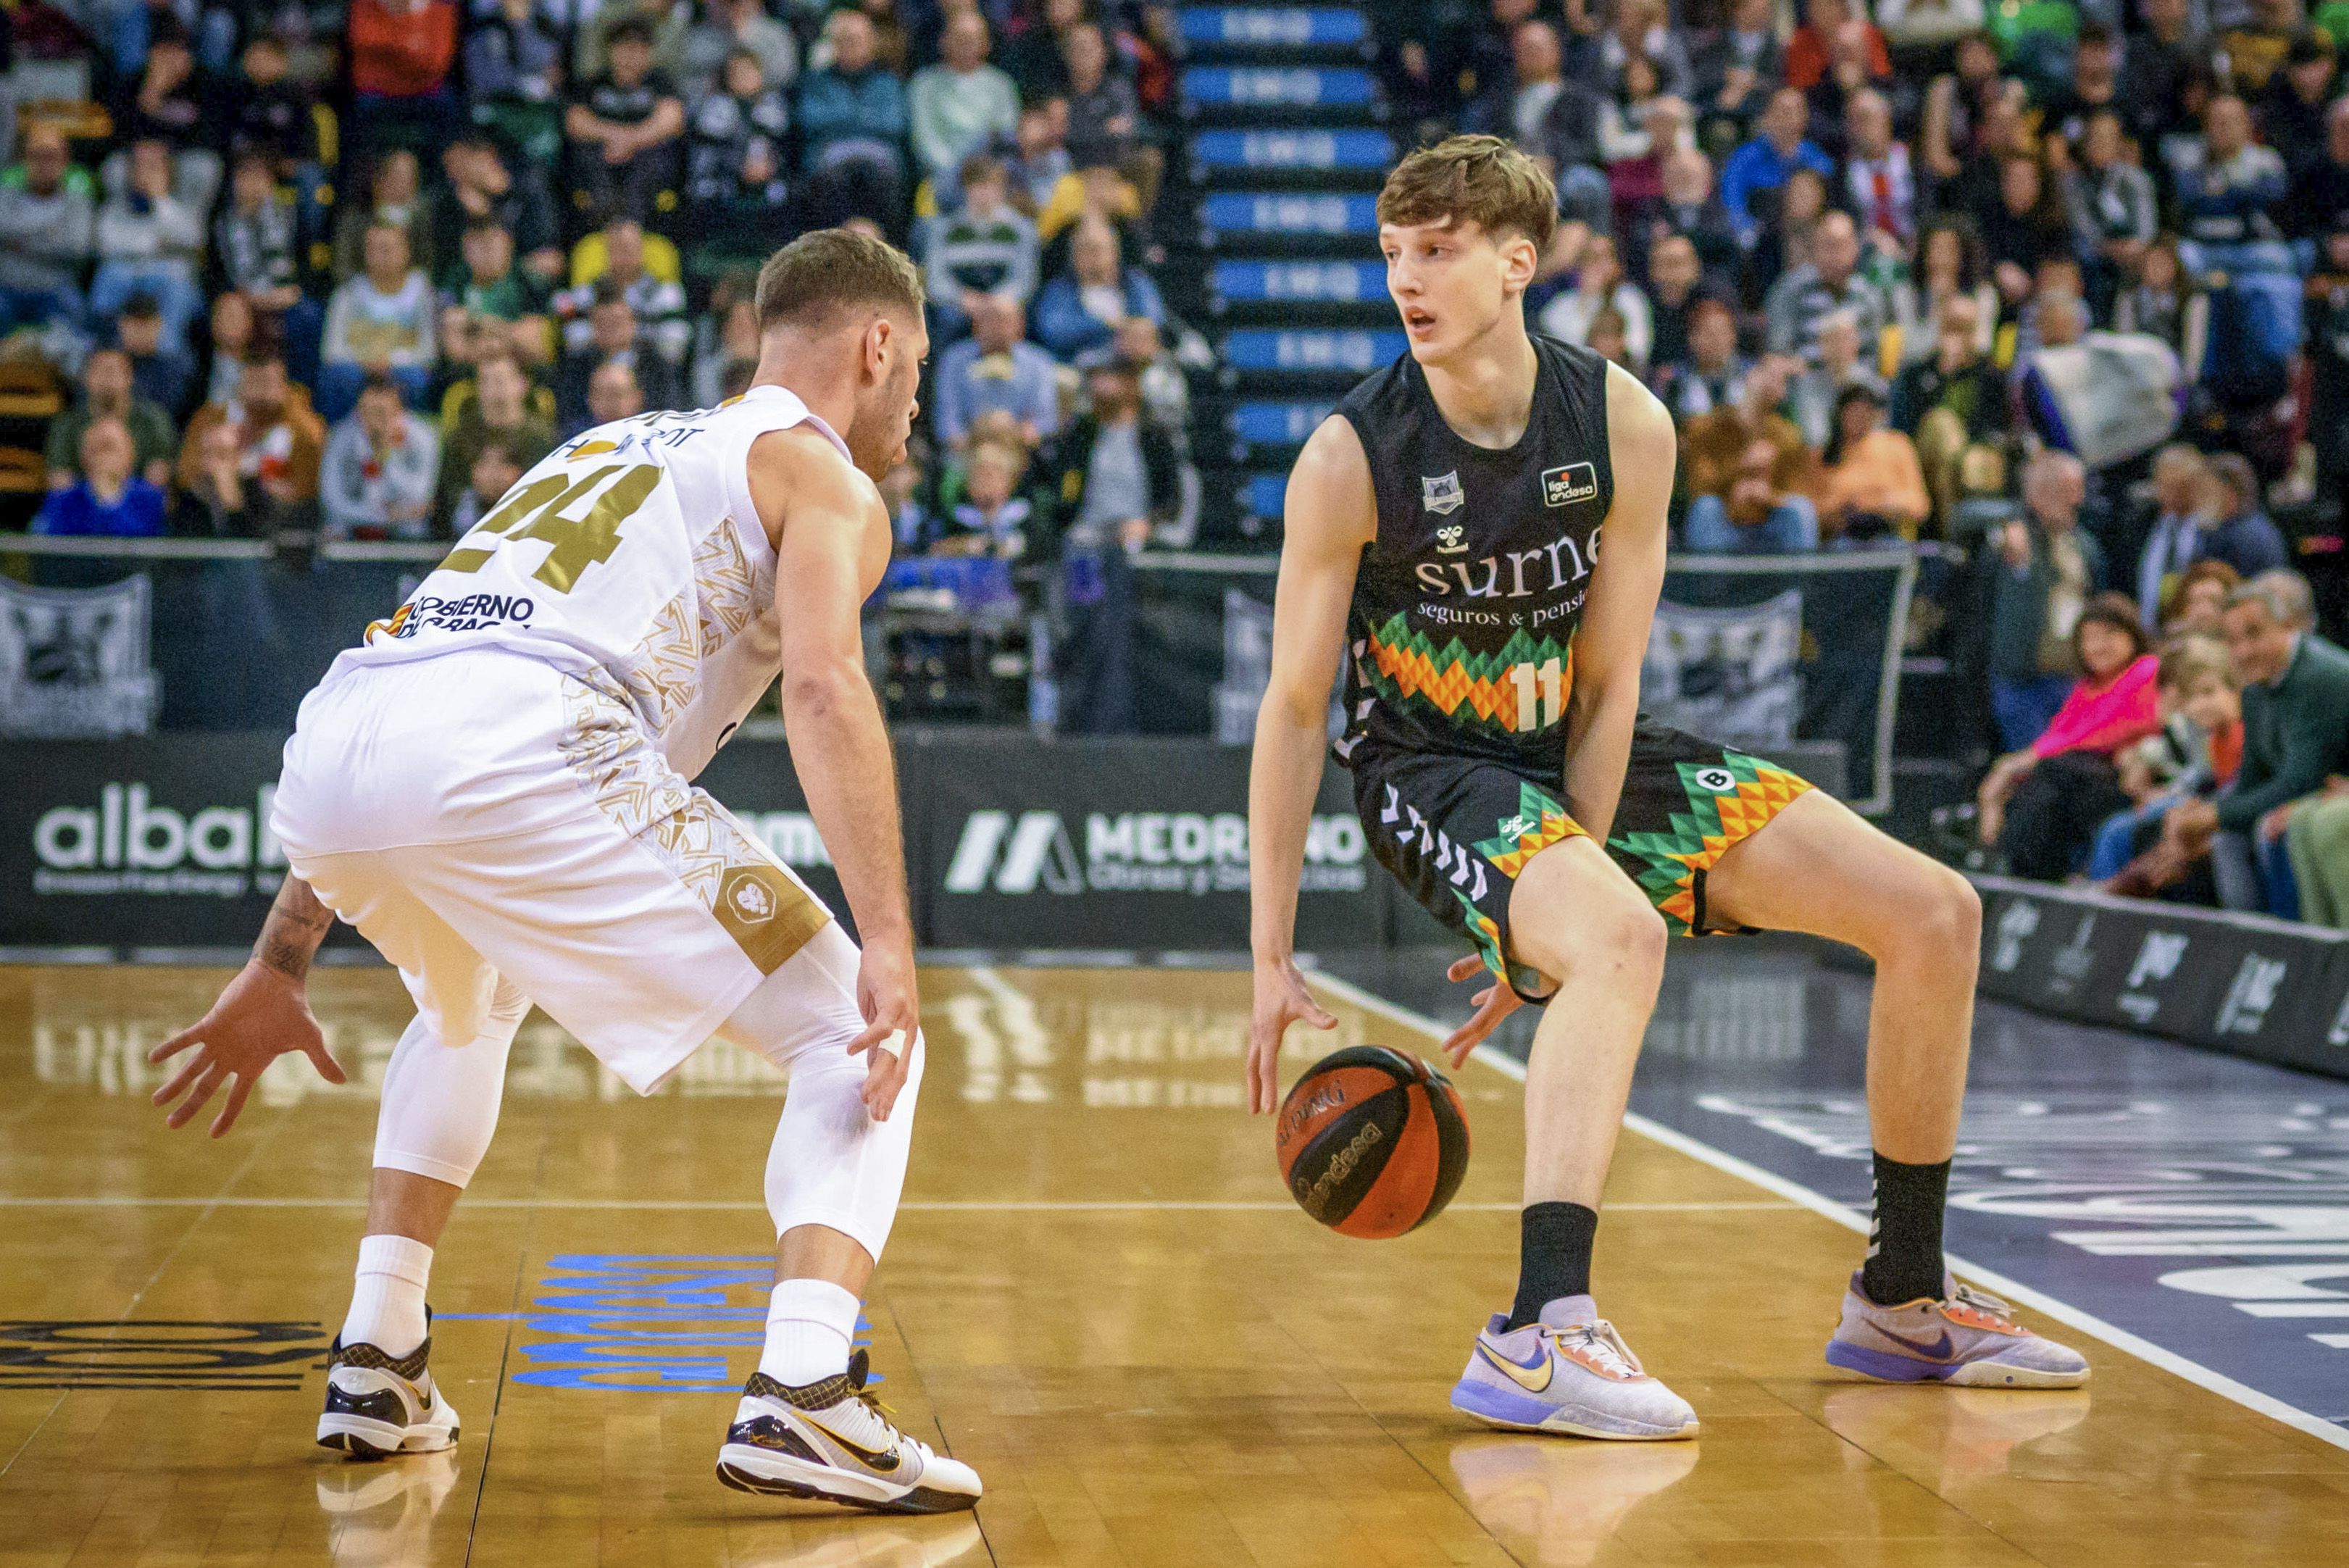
[[1541, 693]]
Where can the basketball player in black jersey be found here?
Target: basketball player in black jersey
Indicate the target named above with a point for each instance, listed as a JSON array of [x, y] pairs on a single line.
[[1444, 529]]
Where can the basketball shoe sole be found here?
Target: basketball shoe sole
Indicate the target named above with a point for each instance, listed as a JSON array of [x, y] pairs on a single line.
[[379, 1404]]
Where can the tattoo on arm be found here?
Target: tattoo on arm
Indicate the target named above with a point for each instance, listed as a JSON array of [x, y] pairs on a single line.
[[297, 923]]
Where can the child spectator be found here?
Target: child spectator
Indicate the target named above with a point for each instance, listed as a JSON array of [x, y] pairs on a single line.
[[2202, 747], [494, 471], [993, 518], [107, 393], [162, 372], [109, 498], [499, 413], [382, 320], [376, 476]]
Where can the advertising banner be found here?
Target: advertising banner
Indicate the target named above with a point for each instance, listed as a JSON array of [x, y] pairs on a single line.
[[74, 661]]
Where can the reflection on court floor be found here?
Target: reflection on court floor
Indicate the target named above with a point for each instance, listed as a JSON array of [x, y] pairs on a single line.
[[1099, 1295]]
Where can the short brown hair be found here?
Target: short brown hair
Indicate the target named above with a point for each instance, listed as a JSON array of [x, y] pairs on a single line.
[[1479, 180], [830, 269], [2192, 658]]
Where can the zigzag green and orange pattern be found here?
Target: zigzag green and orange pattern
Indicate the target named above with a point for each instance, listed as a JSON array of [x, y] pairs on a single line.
[[1540, 822], [1702, 834], [1405, 663]]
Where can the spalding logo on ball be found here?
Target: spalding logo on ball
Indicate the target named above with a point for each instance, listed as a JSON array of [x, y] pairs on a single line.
[[1372, 1141]]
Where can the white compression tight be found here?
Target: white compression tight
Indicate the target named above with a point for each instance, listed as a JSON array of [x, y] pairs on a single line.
[[830, 1164]]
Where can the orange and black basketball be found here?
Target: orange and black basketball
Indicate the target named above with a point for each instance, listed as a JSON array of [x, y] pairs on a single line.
[[1372, 1141]]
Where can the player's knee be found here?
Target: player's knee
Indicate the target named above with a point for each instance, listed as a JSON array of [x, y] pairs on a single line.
[[1939, 918], [1598, 928]]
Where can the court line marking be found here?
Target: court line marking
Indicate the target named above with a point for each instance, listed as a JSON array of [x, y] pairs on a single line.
[[1850, 1219], [974, 1206]]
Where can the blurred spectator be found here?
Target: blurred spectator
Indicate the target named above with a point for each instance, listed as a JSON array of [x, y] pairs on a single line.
[[992, 518], [2320, 190], [279, 438], [2094, 88], [2316, 842], [625, 128], [852, 119], [962, 104], [1783, 245], [1818, 389], [2113, 198], [497, 414], [2295, 737], [1748, 474], [162, 372], [2042, 570], [914, 526], [613, 393], [2227, 183], [1870, 481], [379, 468], [1689, 207], [513, 79], [1882, 186], [1116, 476], [46, 231], [2025, 226], [394, 197], [273, 113], [1640, 30], [488, 298], [614, 337], [1734, 67], [1599, 283], [984, 246], [381, 320], [2199, 607], [1035, 57], [1762, 165], [1082, 308], [1551, 114], [2042, 803], [494, 471], [2164, 54], [1042, 175], [107, 394], [109, 498], [2236, 530], [1809, 51], [1952, 402], [148, 242], [164, 104], [2165, 302], [1921, 24], [1829, 283], [1710, 376], [994, 368], [2257, 45], [2174, 542], [656, 296], [726, 345], [2202, 739], [402, 56], [734, 159], [1141, 347], [698, 54], [480, 187], [2291, 109], [1103, 116], [253, 236], [234, 326]]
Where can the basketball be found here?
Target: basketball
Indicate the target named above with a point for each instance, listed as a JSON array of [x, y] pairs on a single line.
[[1372, 1142]]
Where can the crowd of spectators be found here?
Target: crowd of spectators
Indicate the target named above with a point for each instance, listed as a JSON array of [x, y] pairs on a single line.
[[2063, 288], [352, 267]]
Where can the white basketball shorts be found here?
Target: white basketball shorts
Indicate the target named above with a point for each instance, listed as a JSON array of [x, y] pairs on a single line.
[[485, 815]]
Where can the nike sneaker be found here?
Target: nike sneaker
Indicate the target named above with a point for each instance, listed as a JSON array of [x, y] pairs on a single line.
[[1969, 1337], [379, 1404], [832, 1441], [1570, 1372]]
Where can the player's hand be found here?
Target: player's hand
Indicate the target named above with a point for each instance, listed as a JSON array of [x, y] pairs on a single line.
[[1493, 1003], [260, 1016], [1281, 1000], [886, 996]]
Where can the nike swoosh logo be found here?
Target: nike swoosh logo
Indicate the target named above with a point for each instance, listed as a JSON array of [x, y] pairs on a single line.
[[1523, 1376], [1938, 1350]]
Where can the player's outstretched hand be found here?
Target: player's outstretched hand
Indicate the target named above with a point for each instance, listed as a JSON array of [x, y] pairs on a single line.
[[1493, 1003], [1281, 1000], [261, 1016], [887, 995]]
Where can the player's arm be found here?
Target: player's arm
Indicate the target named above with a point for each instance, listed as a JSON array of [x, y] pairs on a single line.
[[1331, 514], [261, 1015], [1624, 587], [832, 547]]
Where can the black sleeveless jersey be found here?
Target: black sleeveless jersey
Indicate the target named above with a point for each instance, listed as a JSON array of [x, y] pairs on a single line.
[[1466, 605]]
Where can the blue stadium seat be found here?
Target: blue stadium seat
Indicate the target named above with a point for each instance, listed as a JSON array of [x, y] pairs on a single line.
[[1295, 26], [1250, 212], [1304, 86], [1291, 151]]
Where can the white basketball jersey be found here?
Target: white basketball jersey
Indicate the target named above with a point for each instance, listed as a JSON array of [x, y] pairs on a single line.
[[633, 549]]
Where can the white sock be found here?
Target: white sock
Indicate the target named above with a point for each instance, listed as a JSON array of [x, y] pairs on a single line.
[[387, 1300], [808, 1324]]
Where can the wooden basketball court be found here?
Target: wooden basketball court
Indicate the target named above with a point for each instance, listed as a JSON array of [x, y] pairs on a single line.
[[1097, 1294]]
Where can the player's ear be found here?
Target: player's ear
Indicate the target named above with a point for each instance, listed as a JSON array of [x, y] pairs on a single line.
[[875, 357], [1520, 258]]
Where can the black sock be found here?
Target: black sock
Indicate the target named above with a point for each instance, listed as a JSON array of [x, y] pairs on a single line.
[[1553, 1257], [1904, 1241]]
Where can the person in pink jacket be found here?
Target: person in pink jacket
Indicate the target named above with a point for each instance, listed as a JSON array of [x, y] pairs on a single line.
[[2040, 805]]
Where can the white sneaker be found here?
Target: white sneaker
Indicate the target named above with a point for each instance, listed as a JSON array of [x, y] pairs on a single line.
[[831, 1440], [379, 1404], [1572, 1373]]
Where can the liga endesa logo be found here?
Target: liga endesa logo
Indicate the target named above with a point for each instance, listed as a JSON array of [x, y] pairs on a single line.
[[127, 844], [1138, 852]]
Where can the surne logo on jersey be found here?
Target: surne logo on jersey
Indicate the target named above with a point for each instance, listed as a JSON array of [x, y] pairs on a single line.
[[1441, 493], [1565, 486]]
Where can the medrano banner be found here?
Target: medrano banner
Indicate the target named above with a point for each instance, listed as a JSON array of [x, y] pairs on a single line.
[[164, 842]]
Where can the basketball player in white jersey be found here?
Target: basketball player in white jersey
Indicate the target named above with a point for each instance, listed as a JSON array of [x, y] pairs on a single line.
[[494, 790]]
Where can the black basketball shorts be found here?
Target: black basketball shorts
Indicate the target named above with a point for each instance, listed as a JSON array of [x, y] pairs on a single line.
[[1456, 830]]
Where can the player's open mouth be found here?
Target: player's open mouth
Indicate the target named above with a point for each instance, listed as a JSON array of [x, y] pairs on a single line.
[[1418, 322]]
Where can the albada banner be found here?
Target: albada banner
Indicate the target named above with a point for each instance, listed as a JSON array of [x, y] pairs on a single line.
[[164, 842]]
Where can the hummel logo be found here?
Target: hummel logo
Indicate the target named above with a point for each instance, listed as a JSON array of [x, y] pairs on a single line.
[[1516, 827], [1448, 540], [1523, 1376]]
